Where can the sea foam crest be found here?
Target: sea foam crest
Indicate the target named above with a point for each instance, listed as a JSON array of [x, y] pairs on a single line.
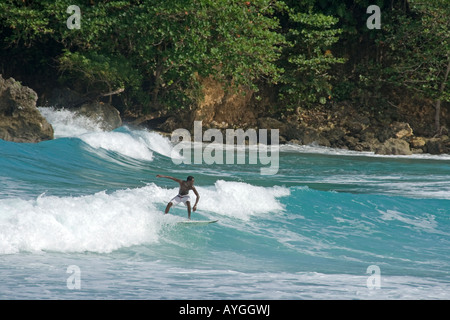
[[104, 222], [67, 123], [100, 222], [136, 144], [242, 200]]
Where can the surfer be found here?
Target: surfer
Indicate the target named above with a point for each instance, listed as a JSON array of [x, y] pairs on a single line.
[[183, 194]]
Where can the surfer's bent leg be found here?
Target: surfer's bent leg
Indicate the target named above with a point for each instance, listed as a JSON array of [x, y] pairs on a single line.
[[169, 205], [175, 200]]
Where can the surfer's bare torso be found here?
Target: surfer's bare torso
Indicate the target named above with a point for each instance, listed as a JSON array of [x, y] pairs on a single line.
[[183, 193], [185, 187]]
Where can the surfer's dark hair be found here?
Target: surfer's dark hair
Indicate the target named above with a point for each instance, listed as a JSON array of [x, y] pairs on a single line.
[[189, 178]]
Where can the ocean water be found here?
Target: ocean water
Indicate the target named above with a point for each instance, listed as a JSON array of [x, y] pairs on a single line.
[[81, 217]]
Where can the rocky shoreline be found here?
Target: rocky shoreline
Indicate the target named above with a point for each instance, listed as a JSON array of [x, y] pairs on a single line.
[[339, 127], [20, 120], [395, 139]]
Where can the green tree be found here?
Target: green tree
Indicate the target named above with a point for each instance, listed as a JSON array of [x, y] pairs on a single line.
[[308, 58], [418, 49], [359, 80], [158, 48]]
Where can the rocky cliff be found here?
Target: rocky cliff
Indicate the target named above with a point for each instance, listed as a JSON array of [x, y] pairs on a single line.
[[20, 120], [339, 125]]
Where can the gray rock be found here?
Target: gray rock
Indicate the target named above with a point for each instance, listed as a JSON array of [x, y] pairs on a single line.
[[106, 115], [20, 120], [393, 146], [335, 135], [438, 145]]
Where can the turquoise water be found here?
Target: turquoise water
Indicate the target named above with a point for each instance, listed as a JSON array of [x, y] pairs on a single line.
[[90, 199]]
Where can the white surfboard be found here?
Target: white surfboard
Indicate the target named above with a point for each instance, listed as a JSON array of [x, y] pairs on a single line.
[[197, 222]]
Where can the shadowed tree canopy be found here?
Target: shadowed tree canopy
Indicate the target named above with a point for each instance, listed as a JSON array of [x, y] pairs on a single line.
[[310, 53]]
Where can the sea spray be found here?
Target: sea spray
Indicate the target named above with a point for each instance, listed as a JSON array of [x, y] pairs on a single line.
[[100, 222], [104, 222], [311, 231]]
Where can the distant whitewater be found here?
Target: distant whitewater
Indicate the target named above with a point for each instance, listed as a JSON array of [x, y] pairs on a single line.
[[90, 199]]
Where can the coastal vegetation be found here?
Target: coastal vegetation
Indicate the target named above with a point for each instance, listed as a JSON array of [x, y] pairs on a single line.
[[295, 57]]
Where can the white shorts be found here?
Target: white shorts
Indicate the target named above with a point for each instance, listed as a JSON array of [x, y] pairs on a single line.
[[178, 198]]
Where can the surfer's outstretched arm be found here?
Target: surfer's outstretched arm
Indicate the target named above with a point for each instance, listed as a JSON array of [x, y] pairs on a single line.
[[168, 177]]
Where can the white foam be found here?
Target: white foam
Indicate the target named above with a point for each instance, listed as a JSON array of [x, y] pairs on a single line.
[[67, 123], [241, 200], [228, 198], [136, 144], [316, 149], [100, 222], [156, 142], [426, 222], [104, 222], [119, 142]]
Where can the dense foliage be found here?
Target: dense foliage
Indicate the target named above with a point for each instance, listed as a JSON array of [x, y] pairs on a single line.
[[310, 52]]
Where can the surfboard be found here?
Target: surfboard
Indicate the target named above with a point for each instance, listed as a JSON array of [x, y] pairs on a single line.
[[197, 222]]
